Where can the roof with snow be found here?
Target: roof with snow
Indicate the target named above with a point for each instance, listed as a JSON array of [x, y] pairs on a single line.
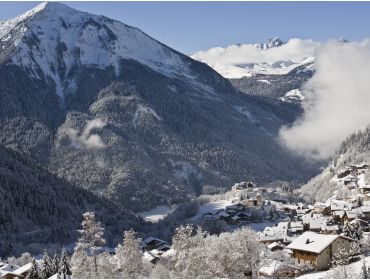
[[23, 269], [312, 242]]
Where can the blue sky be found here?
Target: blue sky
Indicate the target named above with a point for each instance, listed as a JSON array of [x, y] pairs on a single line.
[[191, 26]]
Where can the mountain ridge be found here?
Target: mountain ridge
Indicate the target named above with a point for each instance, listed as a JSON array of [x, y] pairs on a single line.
[[144, 135]]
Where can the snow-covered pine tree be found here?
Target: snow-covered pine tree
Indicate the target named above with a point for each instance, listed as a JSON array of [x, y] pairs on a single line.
[[54, 264], [89, 245], [353, 231], [34, 272], [342, 259], [365, 271], [64, 268], [46, 270], [129, 256]]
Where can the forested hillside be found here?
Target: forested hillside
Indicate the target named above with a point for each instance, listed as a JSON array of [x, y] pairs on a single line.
[[38, 207]]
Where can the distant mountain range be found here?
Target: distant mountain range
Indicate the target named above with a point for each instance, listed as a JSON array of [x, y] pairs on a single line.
[[107, 108], [272, 58]]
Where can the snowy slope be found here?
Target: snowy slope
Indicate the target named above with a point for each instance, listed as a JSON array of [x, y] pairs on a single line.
[[52, 38], [271, 58]]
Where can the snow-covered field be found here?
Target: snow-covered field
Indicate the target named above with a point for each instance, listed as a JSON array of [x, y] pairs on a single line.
[[156, 214], [211, 207]]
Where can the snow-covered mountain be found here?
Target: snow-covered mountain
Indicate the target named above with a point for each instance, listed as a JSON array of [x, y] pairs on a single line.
[[108, 108], [49, 40], [272, 58]]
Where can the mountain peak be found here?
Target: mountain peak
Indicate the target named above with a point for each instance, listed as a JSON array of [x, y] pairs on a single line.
[[53, 38], [272, 43]]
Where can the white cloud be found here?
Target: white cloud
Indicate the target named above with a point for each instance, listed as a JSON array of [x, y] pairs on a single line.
[[230, 61], [86, 138], [339, 100]]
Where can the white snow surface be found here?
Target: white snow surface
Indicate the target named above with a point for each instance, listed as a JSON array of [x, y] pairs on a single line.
[[100, 42], [245, 60], [156, 214]]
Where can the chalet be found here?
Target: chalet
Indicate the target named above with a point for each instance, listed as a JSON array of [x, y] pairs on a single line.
[[317, 249], [339, 216], [349, 179], [235, 220], [330, 229], [365, 189], [11, 275], [222, 215], [296, 227], [344, 172], [276, 246], [243, 216], [321, 208], [351, 185], [23, 270], [362, 165], [339, 205], [150, 257], [351, 215], [269, 239], [366, 211], [152, 243]]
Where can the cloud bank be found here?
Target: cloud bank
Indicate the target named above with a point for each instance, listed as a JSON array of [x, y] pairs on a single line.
[[231, 62], [338, 100]]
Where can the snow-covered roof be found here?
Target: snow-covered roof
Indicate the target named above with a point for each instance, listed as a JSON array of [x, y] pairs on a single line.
[[150, 239], [23, 269], [318, 223], [10, 275], [148, 256], [352, 215], [312, 242], [9, 267], [340, 214], [274, 245], [297, 224], [270, 268], [330, 228], [169, 253]]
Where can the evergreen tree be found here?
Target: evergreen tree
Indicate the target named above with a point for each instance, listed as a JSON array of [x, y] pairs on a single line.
[[129, 256], [353, 231], [64, 268], [89, 245], [55, 264], [34, 272], [46, 269], [365, 271]]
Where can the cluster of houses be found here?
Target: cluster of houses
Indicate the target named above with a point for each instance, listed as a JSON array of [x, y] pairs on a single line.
[[315, 233], [250, 205], [351, 176]]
